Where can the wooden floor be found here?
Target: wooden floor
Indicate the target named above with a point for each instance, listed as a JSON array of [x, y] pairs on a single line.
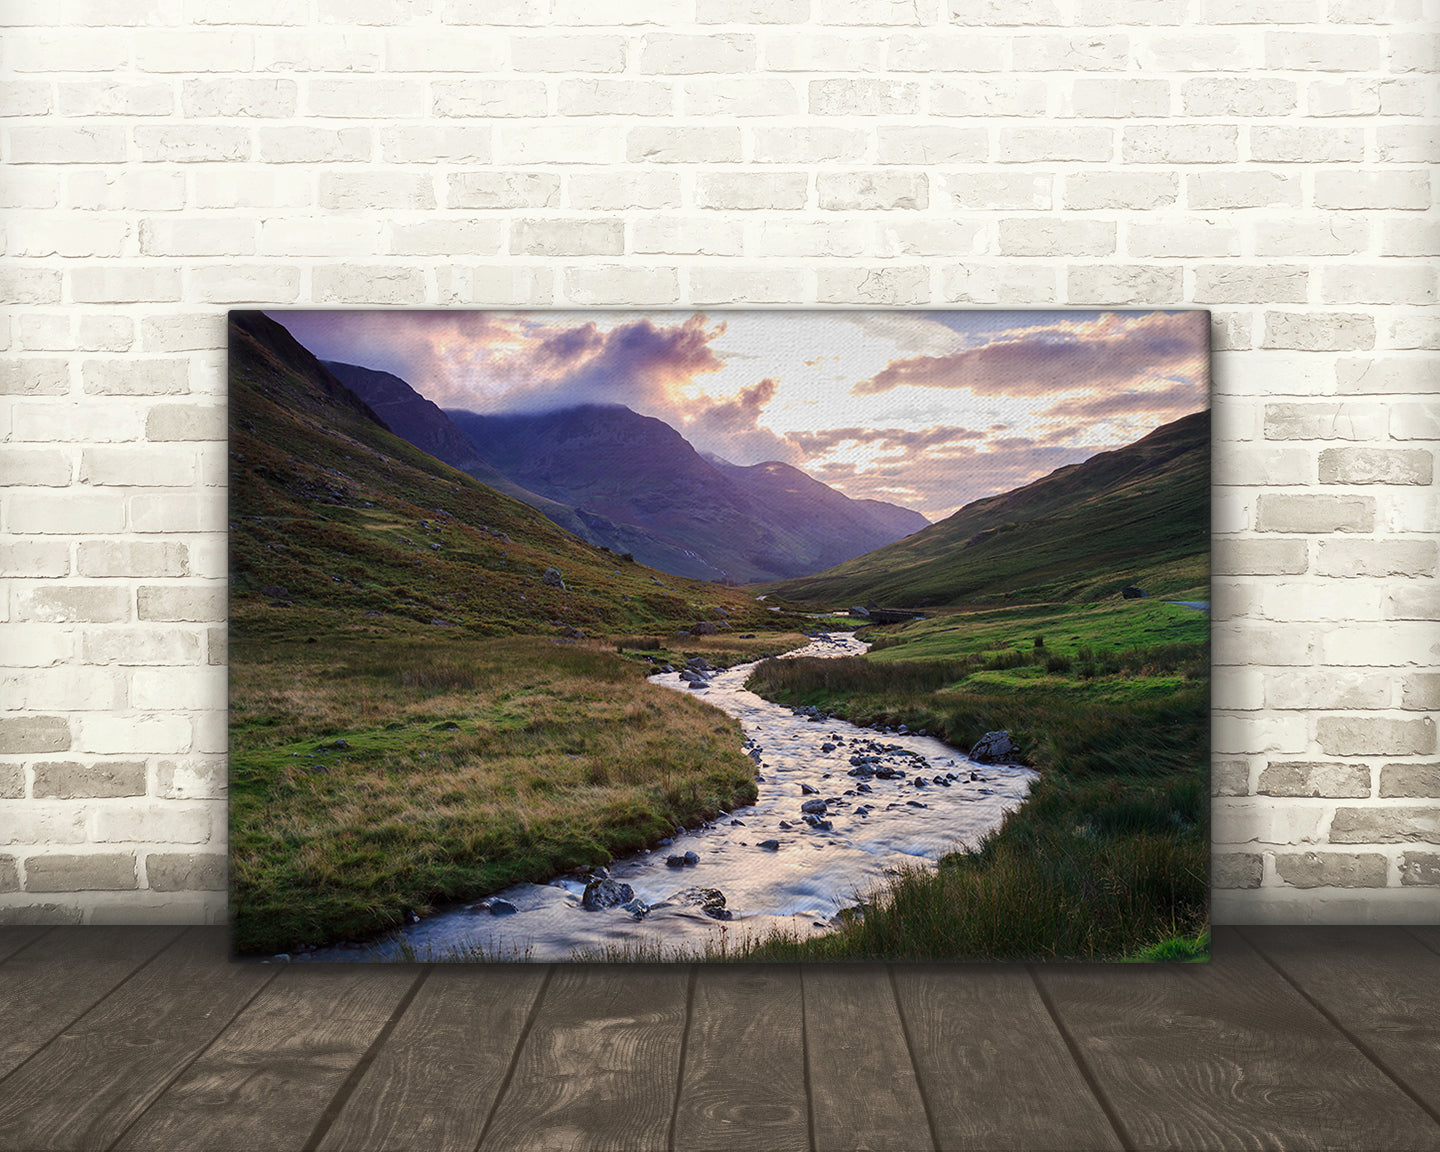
[[148, 1038]]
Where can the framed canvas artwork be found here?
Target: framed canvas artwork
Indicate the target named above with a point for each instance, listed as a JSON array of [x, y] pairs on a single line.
[[749, 635]]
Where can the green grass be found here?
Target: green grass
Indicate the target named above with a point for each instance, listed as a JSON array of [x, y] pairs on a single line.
[[1108, 858], [462, 770]]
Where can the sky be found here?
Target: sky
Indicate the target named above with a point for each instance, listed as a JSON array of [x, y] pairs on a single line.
[[927, 409]]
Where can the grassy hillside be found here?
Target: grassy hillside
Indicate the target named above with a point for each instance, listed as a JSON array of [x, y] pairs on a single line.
[[1138, 515]]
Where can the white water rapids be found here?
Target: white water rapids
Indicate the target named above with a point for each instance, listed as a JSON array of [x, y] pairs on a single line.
[[799, 885]]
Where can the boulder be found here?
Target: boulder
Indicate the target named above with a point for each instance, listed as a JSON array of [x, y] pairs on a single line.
[[711, 901], [572, 633], [814, 807], [703, 628], [500, 907], [1131, 592], [859, 613], [553, 579], [605, 893], [769, 845], [994, 748]]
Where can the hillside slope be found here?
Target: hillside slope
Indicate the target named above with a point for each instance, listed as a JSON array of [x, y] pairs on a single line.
[[338, 523], [1137, 515]]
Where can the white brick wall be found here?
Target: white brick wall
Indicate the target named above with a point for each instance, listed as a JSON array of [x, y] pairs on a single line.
[[1269, 159]]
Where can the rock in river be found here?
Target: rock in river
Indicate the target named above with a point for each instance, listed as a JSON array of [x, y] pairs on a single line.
[[605, 893]]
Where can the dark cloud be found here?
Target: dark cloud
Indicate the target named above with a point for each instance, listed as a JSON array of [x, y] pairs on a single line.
[[1113, 352], [885, 439]]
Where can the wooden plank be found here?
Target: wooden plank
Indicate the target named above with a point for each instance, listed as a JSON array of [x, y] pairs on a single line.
[[14, 937], [436, 1079], [1379, 984], [995, 1070], [92, 1081], [601, 1064], [863, 1089], [1226, 1055], [267, 1080], [61, 976], [744, 1083]]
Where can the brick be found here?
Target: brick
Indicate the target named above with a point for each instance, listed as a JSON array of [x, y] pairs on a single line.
[[1420, 868], [989, 284], [590, 97], [1329, 421], [95, 872], [1080, 51], [191, 779], [1179, 144], [1393, 283], [1230, 778], [12, 781], [217, 646], [305, 144], [1410, 237], [873, 190], [1265, 821], [813, 51], [369, 191], [1238, 96], [70, 780], [1375, 736], [764, 190], [29, 285], [1372, 190], [683, 145], [752, 11], [172, 603], [683, 236], [34, 558], [863, 97], [1225, 284], [1130, 189], [35, 237], [34, 376], [46, 913], [557, 53], [334, 235], [1322, 52], [35, 467], [1107, 98], [807, 145], [1332, 688], [186, 871], [1003, 191], [143, 735], [1420, 691], [1414, 422], [1124, 284], [559, 237], [237, 96], [1408, 144], [21, 734], [675, 54], [1298, 144], [1239, 690], [1376, 466], [169, 823], [1236, 869], [330, 50], [137, 646], [1242, 189], [881, 286], [528, 12], [1333, 869], [1197, 51], [930, 144], [76, 513], [1350, 558], [1376, 645], [489, 98], [1283, 512], [1301, 778], [495, 285], [34, 646], [172, 512], [444, 237], [872, 12], [9, 874], [135, 377], [1047, 236], [1410, 781], [367, 97], [1188, 238], [502, 189], [256, 186], [359, 284], [986, 96], [1311, 235], [1386, 825], [1261, 644], [191, 143], [186, 422], [740, 96], [624, 188], [1023, 144], [810, 238], [915, 237], [67, 144], [622, 284]]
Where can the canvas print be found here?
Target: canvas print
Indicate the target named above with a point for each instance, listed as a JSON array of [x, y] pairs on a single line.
[[749, 635]]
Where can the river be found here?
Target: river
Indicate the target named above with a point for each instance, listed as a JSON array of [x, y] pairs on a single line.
[[799, 881]]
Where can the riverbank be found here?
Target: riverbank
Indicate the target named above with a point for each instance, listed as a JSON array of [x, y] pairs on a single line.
[[1109, 857], [371, 777]]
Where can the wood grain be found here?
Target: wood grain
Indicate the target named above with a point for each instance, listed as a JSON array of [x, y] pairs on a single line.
[[601, 1064], [744, 1083], [1382, 986], [92, 1081], [436, 1079], [60, 976], [14, 937], [267, 1080], [995, 1071], [862, 1082], [1227, 1055]]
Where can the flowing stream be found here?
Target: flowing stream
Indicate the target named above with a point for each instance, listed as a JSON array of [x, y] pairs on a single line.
[[773, 867]]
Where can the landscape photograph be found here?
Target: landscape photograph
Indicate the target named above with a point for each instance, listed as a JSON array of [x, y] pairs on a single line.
[[661, 636]]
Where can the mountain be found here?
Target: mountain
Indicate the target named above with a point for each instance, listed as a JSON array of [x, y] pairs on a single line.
[[338, 524], [635, 475], [1136, 515]]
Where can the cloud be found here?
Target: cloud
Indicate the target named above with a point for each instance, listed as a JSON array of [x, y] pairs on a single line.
[[1106, 352]]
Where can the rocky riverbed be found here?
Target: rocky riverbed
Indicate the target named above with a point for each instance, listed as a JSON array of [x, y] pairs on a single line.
[[838, 807]]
